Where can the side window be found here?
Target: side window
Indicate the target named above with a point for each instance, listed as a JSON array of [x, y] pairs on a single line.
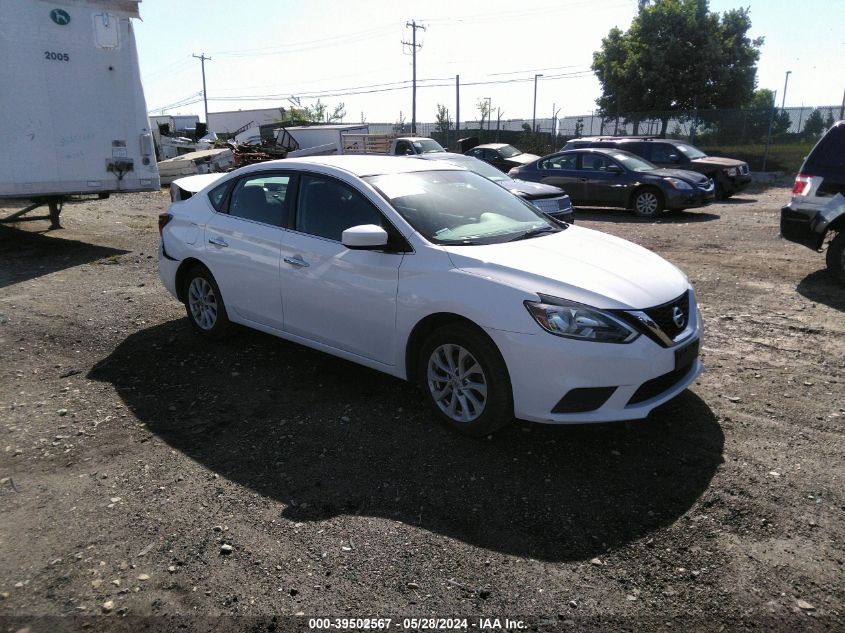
[[595, 162], [490, 154], [328, 207], [260, 198], [403, 147], [559, 162], [660, 152], [830, 150], [476, 152], [218, 195], [640, 149]]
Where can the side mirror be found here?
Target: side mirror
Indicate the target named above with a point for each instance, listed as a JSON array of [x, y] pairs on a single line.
[[364, 237], [674, 158], [409, 152], [613, 169]]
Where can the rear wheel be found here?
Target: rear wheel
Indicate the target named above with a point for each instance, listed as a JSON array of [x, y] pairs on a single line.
[[836, 257], [465, 380], [648, 203], [205, 307]]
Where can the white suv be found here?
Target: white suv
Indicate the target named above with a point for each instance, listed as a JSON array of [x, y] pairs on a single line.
[[435, 274]]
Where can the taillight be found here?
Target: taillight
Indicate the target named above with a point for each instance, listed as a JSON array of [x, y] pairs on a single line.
[[802, 185], [163, 219]]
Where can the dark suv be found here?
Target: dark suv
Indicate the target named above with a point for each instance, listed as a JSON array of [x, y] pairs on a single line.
[[731, 176], [817, 208]]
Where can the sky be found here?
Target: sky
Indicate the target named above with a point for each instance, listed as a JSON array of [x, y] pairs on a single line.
[[351, 51]]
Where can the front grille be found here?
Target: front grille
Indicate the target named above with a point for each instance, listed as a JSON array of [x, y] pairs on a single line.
[[552, 205], [661, 384], [663, 315]]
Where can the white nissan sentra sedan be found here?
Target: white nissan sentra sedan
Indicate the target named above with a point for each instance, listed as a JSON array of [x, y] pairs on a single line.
[[434, 274]]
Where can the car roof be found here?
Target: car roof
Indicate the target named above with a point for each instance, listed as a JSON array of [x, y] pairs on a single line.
[[597, 150], [492, 145], [446, 156], [358, 165]]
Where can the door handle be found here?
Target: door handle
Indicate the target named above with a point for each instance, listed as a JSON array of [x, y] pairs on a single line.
[[218, 241], [584, 179], [297, 261]]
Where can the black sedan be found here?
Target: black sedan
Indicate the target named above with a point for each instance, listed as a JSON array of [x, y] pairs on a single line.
[[501, 156], [614, 178], [551, 200]]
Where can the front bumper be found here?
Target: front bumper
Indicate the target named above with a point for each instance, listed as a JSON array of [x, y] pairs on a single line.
[[630, 379], [685, 198], [735, 184]]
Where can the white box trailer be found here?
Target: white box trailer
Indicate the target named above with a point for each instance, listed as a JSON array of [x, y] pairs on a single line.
[[73, 119]]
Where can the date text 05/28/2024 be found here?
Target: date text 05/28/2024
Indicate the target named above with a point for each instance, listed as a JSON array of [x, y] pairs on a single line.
[[416, 624]]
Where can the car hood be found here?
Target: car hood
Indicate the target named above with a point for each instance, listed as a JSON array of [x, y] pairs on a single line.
[[522, 159], [692, 177], [578, 264], [531, 189], [718, 161]]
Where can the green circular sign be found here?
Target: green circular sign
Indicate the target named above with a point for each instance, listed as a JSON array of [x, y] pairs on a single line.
[[60, 17]]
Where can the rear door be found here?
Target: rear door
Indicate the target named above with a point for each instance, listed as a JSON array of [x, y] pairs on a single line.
[[826, 164], [562, 171], [243, 244]]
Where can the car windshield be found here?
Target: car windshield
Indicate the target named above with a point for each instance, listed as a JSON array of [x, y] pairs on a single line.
[[508, 151], [427, 146], [481, 168], [634, 163], [460, 207], [690, 151]]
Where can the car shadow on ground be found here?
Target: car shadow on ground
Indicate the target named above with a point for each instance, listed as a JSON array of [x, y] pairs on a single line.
[[620, 216], [736, 200], [328, 437], [25, 255], [821, 287]]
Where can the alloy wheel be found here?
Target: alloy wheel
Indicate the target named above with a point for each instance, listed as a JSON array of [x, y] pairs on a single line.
[[647, 203], [457, 383], [203, 303]]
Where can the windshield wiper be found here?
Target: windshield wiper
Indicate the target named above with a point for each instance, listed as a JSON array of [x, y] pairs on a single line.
[[534, 232]]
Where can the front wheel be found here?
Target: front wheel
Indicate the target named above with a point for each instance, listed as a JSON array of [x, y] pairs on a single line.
[[836, 257], [648, 203], [465, 380], [204, 304]]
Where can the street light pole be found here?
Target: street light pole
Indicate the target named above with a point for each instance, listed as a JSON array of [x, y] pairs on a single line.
[[534, 116], [785, 81]]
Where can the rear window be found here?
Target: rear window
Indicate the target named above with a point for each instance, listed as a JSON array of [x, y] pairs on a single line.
[[829, 152]]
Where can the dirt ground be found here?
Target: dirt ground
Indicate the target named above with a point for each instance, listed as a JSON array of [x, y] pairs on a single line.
[[132, 452]]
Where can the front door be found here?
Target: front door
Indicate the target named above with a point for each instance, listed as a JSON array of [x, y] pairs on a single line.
[[603, 187], [333, 295]]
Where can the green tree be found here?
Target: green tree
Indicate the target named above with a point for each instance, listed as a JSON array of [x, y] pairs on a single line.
[[829, 121], [442, 120], [317, 113], [676, 57], [814, 125], [483, 110]]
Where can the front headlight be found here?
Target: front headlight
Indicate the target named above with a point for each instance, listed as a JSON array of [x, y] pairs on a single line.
[[731, 171], [678, 184], [577, 321]]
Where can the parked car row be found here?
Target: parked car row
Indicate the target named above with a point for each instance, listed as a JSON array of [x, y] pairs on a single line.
[[617, 172]]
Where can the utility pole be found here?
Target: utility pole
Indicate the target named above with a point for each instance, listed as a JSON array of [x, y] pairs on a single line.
[[534, 116], [457, 106], [414, 46], [202, 59]]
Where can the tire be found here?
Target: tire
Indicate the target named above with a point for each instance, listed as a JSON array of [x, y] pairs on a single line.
[[836, 257], [477, 398], [204, 304], [647, 203]]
